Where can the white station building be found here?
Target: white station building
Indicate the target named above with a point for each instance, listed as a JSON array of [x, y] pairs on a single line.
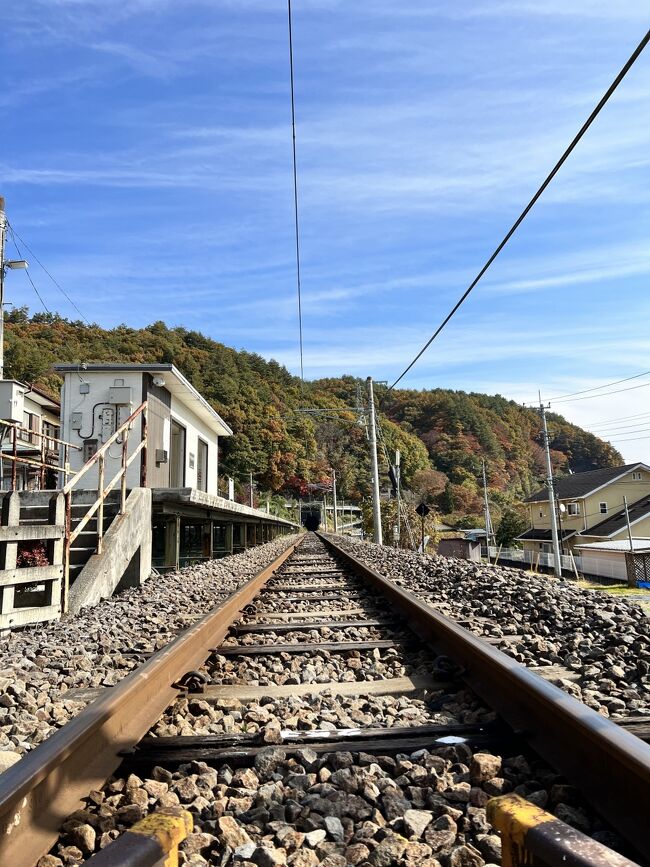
[[183, 430]]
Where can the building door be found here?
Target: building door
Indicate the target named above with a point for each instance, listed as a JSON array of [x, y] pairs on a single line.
[[158, 435], [177, 456], [202, 466]]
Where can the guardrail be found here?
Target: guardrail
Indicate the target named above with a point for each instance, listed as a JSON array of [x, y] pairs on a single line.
[[121, 436]]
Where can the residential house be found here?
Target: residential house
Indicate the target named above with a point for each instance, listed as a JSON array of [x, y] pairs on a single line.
[[590, 508], [32, 417]]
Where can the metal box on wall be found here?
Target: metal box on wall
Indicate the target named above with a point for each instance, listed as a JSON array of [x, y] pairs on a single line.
[[12, 400]]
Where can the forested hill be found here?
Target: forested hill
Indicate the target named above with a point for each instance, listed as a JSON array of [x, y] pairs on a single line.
[[442, 430]]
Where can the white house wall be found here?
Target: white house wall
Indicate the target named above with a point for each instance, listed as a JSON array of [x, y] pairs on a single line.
[[196, 429], [72, 401]]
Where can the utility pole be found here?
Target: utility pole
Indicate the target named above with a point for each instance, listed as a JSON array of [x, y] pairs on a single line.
[[629, 526], [3, 232], [4, 264], [489, 530], [557, 563], [336, 521], [376, 505], [398, 460], [250, 489]]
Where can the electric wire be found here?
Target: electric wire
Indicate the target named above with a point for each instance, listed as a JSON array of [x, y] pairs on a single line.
[[612, 429], [603, 394], [295, 190], [615, 422], [29, 276], [560, 397], [558, 165], [604, 422], [15, 235]]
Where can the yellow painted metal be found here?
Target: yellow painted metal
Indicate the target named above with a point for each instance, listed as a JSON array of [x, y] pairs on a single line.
[[514, 817], [169, 827]]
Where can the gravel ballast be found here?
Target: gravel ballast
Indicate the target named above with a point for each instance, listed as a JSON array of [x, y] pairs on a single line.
[[540, 621], [288, 804], [43, 667]]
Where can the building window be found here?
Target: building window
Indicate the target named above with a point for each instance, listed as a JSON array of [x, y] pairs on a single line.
[[573, 509], [31, 422], [603, 508], [637, 477], [51, 431]]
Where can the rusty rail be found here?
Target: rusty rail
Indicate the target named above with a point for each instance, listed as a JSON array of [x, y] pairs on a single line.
[[48, 784], [610, 766]]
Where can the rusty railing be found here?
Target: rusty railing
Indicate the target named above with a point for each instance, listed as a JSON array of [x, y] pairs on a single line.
[[42, 465]]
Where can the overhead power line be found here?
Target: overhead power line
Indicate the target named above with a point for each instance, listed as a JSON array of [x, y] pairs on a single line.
[[295, 189], [613, 421], [612, 429], [602, 394], [14, 235], [558, 165], [29, 276], [560, 397]]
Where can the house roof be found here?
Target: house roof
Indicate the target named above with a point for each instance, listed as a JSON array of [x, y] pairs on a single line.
[[583, 484], [619, 545], [175, 383], [534, 535], [616, 522]]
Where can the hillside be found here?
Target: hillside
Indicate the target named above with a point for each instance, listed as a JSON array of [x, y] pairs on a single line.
[[442, 430]]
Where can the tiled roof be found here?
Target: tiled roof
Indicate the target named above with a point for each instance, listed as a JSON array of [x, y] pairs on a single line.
[[582, 484]]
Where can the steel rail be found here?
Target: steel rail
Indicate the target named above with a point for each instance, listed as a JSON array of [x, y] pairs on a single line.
[[610, 766], [44, 787]]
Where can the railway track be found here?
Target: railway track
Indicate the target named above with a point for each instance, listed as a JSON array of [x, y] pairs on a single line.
[[324, 715]]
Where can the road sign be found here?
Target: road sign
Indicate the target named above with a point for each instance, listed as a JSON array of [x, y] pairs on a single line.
[[422, 510]]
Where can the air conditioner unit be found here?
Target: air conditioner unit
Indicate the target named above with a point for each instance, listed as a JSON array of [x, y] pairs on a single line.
[[161, 456]]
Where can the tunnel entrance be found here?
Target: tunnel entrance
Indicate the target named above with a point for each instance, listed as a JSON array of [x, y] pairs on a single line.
[[311, 518]]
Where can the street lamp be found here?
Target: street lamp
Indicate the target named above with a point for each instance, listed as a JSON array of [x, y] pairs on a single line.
[[12, 264]]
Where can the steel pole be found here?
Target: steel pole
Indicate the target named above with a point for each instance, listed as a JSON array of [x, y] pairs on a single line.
[[557, 563], [376, 505], [3, 231], [336, 521], [629, 526], [398, 473]]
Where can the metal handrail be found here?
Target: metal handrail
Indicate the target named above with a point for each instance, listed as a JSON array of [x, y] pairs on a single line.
[[103, 490], [42, 465], [36, 433]]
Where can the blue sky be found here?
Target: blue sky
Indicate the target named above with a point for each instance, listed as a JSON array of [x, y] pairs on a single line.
[[146, 158]]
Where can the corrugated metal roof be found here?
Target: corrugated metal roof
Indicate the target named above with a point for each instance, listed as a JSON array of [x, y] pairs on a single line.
[[620, 545]]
